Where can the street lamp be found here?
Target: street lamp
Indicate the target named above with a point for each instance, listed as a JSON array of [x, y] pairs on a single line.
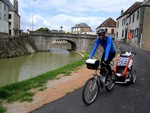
[[33, 15]]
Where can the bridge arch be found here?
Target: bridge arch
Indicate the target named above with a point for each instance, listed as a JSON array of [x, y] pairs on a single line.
[[65, 41], [73, 45]]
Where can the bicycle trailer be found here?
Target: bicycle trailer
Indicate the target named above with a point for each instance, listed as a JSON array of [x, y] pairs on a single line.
[[123, 67]]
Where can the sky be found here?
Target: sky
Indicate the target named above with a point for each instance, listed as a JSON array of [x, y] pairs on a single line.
[[67, 13]]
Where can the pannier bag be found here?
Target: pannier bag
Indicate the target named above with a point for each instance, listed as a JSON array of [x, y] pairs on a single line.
[[92, 63]]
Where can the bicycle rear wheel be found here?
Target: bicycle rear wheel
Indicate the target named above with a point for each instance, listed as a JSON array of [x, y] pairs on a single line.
[[90, 91], [109, 83]]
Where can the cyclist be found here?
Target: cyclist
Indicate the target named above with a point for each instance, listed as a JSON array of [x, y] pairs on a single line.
[[108, 49]]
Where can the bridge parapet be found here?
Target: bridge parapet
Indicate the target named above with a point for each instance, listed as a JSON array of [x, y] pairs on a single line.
[[68, 35]]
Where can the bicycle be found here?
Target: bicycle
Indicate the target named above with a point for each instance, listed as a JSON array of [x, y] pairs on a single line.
[[94, 84]]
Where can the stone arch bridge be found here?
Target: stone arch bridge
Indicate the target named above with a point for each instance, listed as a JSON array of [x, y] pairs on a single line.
[[79, 42]]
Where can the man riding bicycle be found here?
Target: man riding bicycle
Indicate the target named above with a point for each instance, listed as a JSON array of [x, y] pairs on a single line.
[[108, 47]]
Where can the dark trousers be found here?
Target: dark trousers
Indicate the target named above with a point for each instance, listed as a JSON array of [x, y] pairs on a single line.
[[110, 58]]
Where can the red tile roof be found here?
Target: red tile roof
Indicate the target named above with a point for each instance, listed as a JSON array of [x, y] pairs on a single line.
[[108, 23]]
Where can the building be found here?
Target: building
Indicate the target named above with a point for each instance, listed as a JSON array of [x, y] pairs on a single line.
[[145, 25], [109, 25], [4, 29], [136, 20], [9, 18], [14, 19], [81, 28]]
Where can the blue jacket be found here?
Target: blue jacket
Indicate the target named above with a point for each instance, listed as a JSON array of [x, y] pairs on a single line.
[[107, 45]]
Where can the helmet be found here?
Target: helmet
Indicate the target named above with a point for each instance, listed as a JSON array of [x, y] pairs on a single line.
[[101, 31]]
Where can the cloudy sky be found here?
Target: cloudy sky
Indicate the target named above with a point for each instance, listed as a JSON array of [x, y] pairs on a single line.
[[67, 13]]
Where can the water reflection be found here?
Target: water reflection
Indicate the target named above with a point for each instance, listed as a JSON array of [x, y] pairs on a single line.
[[25, 67]]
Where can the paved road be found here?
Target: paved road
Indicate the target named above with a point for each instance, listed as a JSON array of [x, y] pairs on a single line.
[[134, 98]]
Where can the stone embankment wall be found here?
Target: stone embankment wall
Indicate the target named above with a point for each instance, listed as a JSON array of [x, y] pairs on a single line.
[[16, 46]]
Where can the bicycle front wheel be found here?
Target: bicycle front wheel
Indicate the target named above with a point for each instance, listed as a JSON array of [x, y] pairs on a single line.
[[90, 91]]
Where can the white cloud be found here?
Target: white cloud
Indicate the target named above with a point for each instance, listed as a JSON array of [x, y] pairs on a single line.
[[68, 13]]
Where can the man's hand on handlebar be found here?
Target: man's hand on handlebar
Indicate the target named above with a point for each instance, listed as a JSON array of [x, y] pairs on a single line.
[[105, 62]]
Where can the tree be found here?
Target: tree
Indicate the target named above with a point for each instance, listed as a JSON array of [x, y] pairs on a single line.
[[43, 29]]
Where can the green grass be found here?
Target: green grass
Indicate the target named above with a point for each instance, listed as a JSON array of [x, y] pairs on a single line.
[[2, 110], [20, 91]]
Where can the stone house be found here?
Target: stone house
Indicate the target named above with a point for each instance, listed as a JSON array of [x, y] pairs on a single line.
[[4, 5], [81, 28], [136, 20], [9, 18], [109, 25]]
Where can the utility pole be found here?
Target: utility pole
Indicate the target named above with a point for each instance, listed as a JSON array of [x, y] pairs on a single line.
[[33, 16]]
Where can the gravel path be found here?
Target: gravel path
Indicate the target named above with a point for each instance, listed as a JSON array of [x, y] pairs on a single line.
[[55, 89]]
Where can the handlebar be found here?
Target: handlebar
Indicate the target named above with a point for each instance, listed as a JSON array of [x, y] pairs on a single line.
[[133, 53]]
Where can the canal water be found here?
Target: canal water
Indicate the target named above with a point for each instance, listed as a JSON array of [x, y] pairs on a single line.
[[21, 68]]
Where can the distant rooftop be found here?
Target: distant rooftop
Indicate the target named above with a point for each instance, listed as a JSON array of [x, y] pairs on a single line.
[[81, 25], [108, 23]]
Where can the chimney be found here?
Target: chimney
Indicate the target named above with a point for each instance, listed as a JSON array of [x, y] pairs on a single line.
[[16, 5], [122, 12]]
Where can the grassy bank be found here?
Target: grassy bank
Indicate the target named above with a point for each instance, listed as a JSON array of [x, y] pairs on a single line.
[[21, 91], [2, 110]]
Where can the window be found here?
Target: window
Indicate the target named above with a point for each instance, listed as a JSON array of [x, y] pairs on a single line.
[[125, 21], [122, 22], [130, 20], [137, 32], [117, 35], [133, 18], [9, 16], [9, 24], [106, 30], [5, 17], [132, 33], [0, 16], [122, 33], [10, 32], [78, 29], [118, 24], [137, 15], [5, 7], [112, 31]]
